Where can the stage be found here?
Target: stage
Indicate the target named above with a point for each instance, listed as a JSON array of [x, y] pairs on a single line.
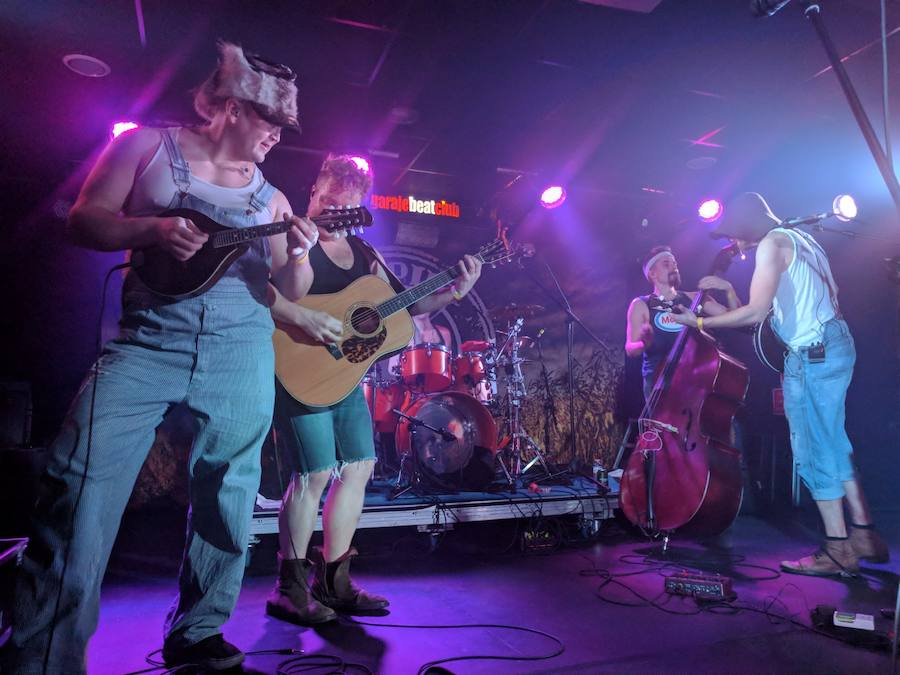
[[478, 574], [435, 511]]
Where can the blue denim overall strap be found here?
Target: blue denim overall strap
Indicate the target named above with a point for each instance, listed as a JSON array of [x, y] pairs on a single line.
[[181, 171]]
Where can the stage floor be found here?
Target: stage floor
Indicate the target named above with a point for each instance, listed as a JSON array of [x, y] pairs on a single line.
[[476, 577]]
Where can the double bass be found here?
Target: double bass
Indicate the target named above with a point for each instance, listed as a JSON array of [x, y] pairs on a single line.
[[684, 474]]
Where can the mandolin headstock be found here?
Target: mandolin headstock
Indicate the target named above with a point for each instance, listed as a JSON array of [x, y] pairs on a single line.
[[350, 220]]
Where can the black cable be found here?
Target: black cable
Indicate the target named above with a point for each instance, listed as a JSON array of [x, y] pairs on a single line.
[[491, 657], [87, 458]]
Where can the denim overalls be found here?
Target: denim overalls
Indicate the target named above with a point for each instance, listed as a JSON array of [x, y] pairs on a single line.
[[213, 353]]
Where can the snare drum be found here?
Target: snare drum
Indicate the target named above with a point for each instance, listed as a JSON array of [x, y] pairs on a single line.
[[426, 367], [382, 399]]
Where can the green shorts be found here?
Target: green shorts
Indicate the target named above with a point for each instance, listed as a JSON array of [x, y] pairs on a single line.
[[323, 439]]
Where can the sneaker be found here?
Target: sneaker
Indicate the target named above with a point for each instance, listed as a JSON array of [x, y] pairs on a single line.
[[212, 653]]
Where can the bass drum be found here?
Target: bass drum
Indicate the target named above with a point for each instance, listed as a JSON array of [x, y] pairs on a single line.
[[463, 462]]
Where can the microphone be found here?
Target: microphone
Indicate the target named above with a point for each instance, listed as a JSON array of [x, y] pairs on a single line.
[[761, 8], [805, 220], [446, 435]]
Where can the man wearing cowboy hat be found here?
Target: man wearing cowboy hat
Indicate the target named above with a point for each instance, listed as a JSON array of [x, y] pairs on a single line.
[[792, 277]]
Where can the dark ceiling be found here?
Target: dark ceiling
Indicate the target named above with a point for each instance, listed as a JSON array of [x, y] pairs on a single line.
[[612, 101]]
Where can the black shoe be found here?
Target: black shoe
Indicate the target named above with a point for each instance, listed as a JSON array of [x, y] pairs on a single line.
[[212, 653]]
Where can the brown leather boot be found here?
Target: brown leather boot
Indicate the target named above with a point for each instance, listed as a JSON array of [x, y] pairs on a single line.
[[292, 599], [868, 544], [341, 593], [834, 558]]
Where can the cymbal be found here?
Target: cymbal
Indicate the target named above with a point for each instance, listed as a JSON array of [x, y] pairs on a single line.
[[524, 341], [475, 346], [512, 311]]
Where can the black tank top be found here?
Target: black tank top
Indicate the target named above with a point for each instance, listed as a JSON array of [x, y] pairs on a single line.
[[665, 331], [330, 278]]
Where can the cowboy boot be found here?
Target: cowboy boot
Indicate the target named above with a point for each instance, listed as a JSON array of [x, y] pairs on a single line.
[[868, 544], [333, 587], [292, 599], [835, 557]]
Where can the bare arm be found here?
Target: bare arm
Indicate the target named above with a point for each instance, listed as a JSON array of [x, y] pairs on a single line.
[[770, 263], [291, 272], [319, 326], [95, 221], [638, 333], [469, 272]]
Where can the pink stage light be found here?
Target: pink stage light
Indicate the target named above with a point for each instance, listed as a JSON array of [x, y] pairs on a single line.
[[553, 196], [710, 210], [361, 163], [121, 127]]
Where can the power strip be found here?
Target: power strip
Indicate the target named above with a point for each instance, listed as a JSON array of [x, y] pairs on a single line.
[[703, 586]]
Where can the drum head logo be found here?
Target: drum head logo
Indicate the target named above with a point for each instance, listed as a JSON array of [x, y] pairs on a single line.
[[663, 321]]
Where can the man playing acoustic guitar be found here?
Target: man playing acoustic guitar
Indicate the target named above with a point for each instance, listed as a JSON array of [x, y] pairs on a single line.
[[334, 441], [793, 277]]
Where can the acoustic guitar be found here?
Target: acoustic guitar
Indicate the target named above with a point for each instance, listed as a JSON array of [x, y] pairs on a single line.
[[376, 324], [165, 275], [770, 349]]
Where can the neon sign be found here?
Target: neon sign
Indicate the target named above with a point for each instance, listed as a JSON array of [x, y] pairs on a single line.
[[409, 204]]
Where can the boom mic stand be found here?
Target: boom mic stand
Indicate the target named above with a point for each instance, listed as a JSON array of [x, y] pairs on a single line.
[[561, 301], [813, 12]]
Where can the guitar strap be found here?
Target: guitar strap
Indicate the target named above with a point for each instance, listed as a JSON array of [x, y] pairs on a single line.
[[396, 284]]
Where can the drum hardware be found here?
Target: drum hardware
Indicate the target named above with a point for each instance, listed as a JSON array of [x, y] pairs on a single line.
[[518, 441]]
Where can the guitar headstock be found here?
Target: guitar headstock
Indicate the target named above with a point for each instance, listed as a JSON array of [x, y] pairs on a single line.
[[352, 219], [501, 251]]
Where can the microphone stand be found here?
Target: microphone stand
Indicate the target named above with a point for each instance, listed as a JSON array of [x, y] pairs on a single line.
[[561, 301]]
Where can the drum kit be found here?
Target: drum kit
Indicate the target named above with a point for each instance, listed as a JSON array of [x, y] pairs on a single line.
[[450, 428]]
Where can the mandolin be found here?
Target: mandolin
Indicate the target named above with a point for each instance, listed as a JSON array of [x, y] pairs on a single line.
[[165, 275]]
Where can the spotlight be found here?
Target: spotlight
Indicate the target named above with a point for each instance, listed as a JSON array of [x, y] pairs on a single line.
[[553, 196], [361, 163], [710, 210], [844, 207], [120, 128]]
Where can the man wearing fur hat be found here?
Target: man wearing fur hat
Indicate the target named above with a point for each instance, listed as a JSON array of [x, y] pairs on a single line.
[[793, 277], [211, 353], [650, 331]]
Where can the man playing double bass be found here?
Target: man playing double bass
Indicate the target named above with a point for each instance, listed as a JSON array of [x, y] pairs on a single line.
[[793, 277], [650, 330]]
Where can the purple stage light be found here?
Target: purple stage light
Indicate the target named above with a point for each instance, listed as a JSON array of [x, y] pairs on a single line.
[[121, 127], [710, 210], [361, 163], [844, 207], [553, 196]]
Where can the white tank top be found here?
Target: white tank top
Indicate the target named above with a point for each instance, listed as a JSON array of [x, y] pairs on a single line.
[[806, 298], [154, 188]]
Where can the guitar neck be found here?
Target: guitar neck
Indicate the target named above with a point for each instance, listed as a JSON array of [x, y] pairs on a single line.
[[412, 295]]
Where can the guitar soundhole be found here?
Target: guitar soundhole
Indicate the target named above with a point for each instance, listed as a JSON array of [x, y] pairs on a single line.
[[364, 320]]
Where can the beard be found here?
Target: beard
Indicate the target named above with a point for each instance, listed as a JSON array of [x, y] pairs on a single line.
[[674, 279]]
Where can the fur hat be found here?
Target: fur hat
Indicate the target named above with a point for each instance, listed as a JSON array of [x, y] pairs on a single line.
[[746, 217], [249, 77]]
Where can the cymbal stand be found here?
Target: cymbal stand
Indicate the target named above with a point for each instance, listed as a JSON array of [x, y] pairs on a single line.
[[516, 391]]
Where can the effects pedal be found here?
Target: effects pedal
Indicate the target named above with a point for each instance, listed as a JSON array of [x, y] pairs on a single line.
[[701, 586]]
